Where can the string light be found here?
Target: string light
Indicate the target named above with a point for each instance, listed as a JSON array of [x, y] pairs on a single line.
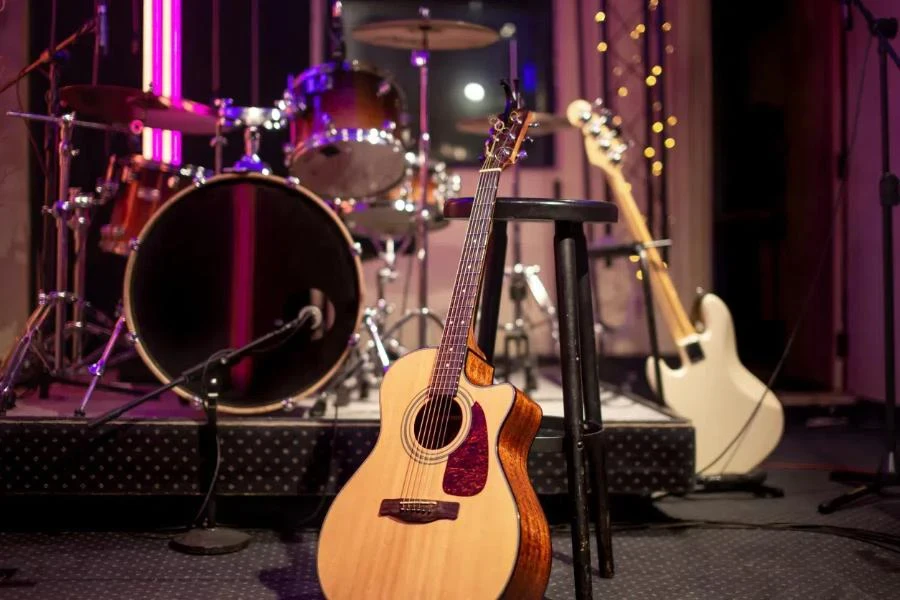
[[649, 152], [651, 80], [600, 17], [656, 70], [602, 47], [666, 26], [640, 28], [634, 258], [617, 120], [640, 275], [672, 121], [634, 34], [657, 127], [654, 4], [670, 142], [623, 91], [657, 106], [670, 49]]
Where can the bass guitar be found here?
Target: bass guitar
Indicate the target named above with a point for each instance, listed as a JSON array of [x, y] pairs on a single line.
[[737, 420], [443, 506]]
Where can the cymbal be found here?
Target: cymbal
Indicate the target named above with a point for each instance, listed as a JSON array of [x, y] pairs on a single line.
[[122, 105], [548, 124], [411, 34]]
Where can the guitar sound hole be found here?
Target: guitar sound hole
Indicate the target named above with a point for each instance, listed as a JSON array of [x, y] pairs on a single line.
[[438, 423]]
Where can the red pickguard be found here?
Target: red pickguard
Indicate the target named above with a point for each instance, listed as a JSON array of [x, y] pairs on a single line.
[[467, 466]]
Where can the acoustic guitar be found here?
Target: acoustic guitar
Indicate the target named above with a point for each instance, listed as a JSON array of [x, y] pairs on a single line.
[[443, 506], [737, 420]]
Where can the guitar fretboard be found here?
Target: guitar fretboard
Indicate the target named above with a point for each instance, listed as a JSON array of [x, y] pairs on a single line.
[[452, 350]]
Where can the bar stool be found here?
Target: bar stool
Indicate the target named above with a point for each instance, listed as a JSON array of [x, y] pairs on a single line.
[[581, 387]]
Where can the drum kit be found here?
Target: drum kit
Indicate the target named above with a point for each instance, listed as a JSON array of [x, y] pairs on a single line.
[[215, 257]]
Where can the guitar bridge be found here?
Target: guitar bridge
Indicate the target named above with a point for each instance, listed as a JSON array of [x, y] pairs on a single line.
[[418, 510]]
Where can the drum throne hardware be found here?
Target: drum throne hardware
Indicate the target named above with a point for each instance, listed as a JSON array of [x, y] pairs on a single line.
[[421, 36], [252, 119], [71, 211]]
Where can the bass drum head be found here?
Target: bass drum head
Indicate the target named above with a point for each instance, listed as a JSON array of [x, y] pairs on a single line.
[[226, 262]]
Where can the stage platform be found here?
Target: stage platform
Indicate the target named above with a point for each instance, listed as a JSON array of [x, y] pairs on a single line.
[[152, 450]]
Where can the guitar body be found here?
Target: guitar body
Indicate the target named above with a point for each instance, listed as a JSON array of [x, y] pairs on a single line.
[[719, 394], [498, 542]]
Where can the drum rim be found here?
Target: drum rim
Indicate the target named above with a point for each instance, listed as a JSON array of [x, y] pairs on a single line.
[[354, 65], [132, 326]]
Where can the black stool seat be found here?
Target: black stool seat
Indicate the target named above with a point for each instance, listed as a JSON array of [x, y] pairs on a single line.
[[539, 209], [583, 442]]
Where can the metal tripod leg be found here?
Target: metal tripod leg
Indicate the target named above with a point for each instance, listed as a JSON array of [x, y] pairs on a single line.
[[25, 344], [99, 367]]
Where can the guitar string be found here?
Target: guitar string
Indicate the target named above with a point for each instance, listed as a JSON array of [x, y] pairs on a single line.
[[443, 384], [419, 455], [437, 383], [473, 279]]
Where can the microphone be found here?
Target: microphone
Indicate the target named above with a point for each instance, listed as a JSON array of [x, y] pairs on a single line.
[[338, 48], [307, 313], [103, 26]]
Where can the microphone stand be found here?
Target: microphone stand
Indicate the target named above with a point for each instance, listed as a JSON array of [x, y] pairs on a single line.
[[215, 381], [883, 29]]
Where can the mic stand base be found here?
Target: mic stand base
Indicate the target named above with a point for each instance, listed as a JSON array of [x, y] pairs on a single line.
[[210, 541], [872, 484]]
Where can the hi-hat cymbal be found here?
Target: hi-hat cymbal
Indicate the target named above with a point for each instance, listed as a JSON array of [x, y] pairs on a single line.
[[548, 124], [122, 105], [413, 34]]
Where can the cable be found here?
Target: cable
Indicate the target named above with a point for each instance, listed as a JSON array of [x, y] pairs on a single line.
[[836, 205], [332, 471]]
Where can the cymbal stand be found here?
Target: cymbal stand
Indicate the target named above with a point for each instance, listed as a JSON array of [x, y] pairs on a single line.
[[70, 210], [522, 281], [420, 58]]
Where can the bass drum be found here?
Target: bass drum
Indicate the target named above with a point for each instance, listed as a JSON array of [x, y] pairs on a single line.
[[230, 260]]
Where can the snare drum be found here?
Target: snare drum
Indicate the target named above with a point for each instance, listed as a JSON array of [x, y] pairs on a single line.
[[138, 187], [393, 214], [230, 260], [346, 130]]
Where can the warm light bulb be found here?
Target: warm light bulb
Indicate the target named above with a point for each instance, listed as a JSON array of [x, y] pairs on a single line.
[[601, 47], [672, 121], [634, 34], [656, 70], [623, 91], [640, 28], [639, 275], [651, 80], [670, 142], [667, 26], [617, 71], [634, 258], [657, 106], [617, 120], [657, 127], [600, 17], [649, 152], [670, 49]]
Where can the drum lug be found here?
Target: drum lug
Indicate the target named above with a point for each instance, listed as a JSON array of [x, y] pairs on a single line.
[[384, 88], [134, 245], [353, 342], [288, 404], [199, 178], [294, 181], [356, 248]]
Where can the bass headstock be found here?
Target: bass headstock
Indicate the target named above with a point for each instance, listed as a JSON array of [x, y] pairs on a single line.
[[603, 141]]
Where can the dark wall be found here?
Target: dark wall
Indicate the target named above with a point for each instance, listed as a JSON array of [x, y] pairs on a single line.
[[774, 173]]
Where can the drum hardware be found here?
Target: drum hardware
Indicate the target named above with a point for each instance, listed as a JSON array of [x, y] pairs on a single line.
[[421, 36], [251, 119], [72, 211], [98, 368]]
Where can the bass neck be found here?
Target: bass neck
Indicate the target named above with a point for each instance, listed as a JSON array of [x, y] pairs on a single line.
[[677, 321]]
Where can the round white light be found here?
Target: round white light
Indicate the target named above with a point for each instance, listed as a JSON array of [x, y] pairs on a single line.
[[474, 92]]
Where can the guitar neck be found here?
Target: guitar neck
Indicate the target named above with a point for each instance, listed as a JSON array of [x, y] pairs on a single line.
[[664, 291], [466, 287]]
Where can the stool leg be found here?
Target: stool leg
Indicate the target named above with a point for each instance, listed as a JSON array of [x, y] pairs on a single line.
[[573, 406], [591, 382], [493, 286]]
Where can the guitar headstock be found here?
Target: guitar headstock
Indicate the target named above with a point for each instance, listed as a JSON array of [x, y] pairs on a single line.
[[509, 130], [603, 140]]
